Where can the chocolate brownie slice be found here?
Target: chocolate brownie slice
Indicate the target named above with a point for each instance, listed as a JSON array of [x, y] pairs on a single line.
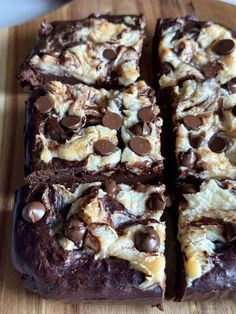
[[97, 241], [87, 134], [100, 50], [207, 234]]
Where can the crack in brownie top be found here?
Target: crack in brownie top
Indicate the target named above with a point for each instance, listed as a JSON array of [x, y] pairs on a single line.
[[103, 129]]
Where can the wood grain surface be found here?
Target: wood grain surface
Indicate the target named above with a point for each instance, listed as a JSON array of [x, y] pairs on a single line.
[[15, 43]]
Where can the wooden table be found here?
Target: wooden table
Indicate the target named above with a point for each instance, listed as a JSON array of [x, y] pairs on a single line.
[[15, 43]]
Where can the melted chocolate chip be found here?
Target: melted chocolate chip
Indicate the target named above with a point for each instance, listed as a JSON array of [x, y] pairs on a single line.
[[44, 104], [140, 146], [234, 110], [218, 144], [141, 129], [210, 70], [223, 47], [188, 188], [147, 241], [112, 121], [75, 230], [195, 140], [71, 122], [142, 188], [53, 129], [166, 67], [192, 122], [104, 147], [111, 188], [33, 212], [92, 242], [156, 202], [232, 86], [146, 114], [187, 159], [229, 232], [109, 54]]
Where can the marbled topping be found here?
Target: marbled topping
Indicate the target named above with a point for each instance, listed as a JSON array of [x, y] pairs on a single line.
[[207, 217], [92, 51], [102, 128], [115, 220], [206, 53]]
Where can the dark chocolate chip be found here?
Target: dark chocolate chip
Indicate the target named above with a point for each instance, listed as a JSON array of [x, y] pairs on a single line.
[[234, 110], [229, 232], [195, 140], [210, 70], [141, 129], [223, 47], [33, 212], [44, 104], [147, 241], [146, 114], [166, 67], [53, 129], [156, 202], [192, 122], [187, 158], [218, 144], [109, 54], [188, 188], [71, 122], [140, 145], [75, 230], [92, 242], [104, 147], [111, 187], [232, 86], [112, 120], [142, 188]]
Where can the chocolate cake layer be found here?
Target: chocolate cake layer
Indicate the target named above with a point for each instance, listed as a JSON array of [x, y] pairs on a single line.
[[76, 132], [101, 50], [98, 241]]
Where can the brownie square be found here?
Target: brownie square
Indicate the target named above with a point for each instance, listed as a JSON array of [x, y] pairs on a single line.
[[77, 132], [97, 241], [207, 234], [204, 119], [101, 50], [188, 48]]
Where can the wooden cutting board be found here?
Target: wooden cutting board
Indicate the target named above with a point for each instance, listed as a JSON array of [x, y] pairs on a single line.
[[15, 43]]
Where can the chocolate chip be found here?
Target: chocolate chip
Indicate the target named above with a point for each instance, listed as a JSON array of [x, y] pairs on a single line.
[[195, 140], [218, 144], [142, 188], [109, 54], [210, 70], [44, 104], [229, 232], [166, 67], [104, 147], [33, 212], [223, 47], [156, 202], [232, 86], [188, 158], [53, 129], [111, 188], [234, 110], [112, 121], [147, 241], [75, 230], [188, 188], [141, 129], [146, 114], [71, 122], [92, 242], [140, 146], [192, 122]]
